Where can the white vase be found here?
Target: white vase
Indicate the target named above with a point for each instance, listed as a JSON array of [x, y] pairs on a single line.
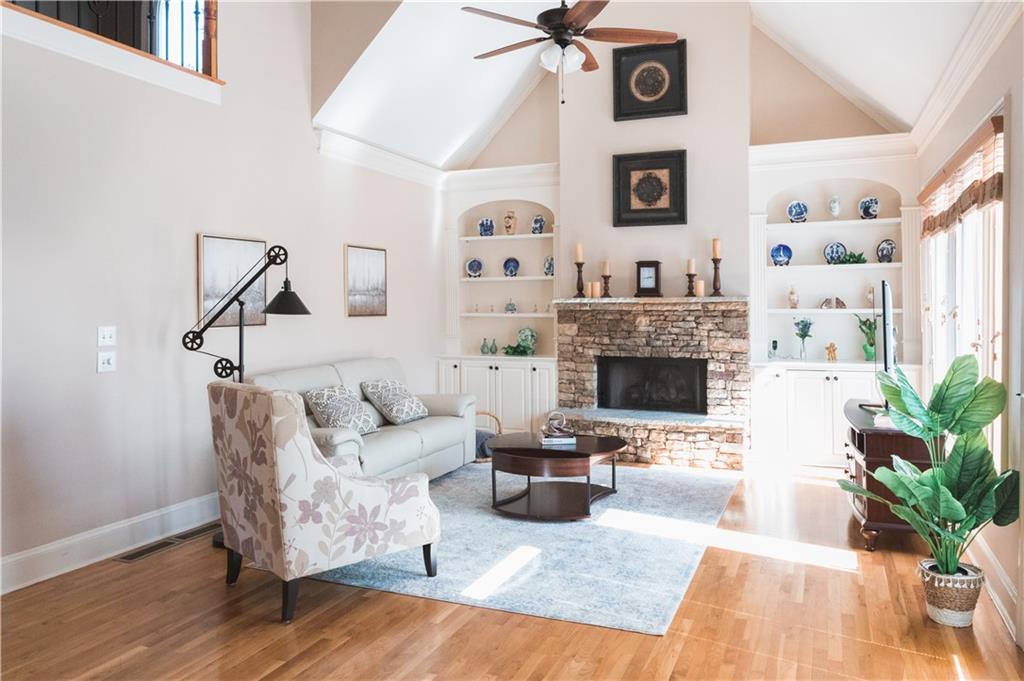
[[834, 206]]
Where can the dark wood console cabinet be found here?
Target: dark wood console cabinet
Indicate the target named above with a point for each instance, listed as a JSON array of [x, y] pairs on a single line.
[[873, 447]]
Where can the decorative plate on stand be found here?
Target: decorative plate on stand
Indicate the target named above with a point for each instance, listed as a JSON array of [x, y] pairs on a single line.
[[510, 267], [834, 252], [474, 268]]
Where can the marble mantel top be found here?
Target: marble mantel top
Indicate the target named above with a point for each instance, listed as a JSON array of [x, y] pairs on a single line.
[[651, 300]]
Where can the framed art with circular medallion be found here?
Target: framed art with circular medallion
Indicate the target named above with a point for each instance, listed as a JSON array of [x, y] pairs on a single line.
[[649, 81], [649, 188]]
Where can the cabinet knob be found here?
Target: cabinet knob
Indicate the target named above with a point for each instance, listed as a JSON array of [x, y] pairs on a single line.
[[490, 368], [828, 378], [455, 366], [534, 368], [836, 378]]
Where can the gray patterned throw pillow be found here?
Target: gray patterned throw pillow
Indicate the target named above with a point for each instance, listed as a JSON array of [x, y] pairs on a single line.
[[394, 401], [339, 407]]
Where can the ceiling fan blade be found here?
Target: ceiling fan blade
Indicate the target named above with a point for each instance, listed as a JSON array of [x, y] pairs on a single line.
[[583, 12], [589, 62], [509, 48], [630, 35], [502, 17]]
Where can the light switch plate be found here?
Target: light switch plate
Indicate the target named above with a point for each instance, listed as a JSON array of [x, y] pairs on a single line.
[[106, 336], [106, 361]]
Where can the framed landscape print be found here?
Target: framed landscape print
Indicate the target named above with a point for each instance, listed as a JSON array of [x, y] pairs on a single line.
[[366, 281], [649, 81], [223, 260], [649, 189]]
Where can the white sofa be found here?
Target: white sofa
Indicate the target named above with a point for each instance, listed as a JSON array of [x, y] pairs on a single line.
[[435, 445]]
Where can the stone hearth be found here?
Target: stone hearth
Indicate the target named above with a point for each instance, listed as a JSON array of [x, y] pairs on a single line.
[[713, 329]]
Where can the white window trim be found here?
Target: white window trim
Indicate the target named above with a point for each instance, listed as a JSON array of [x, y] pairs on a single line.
[[41, 33]]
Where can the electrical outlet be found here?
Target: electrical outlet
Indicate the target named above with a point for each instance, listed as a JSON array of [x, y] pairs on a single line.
[[106, 361], [106, 336]]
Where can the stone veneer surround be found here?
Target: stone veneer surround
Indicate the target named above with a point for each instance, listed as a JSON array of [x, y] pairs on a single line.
[[715, 329]]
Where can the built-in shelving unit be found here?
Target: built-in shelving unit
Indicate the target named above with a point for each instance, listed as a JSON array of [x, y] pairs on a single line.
[[508, 315], [837, 268], [509, 237], [505, 280], [834, 224], [804, 311]]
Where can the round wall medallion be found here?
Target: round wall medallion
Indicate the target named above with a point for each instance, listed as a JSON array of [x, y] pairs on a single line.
[[649, 81], [650, 189]]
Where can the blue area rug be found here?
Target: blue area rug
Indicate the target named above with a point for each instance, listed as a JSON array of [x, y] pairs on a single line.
[[627, 567]]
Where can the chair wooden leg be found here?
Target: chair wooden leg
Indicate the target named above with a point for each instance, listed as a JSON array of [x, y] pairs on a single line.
[[234, 566], [289, 597], [430, 560]]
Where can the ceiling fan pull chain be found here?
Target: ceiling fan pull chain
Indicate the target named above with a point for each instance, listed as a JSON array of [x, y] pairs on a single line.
[[561, 78]]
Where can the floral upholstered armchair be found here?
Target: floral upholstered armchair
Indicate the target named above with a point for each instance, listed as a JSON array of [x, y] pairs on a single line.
[[289, 511]]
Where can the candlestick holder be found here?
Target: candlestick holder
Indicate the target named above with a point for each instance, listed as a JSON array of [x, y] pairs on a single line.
[[716, 283], [606, 292], [579, 281], [690, 278]]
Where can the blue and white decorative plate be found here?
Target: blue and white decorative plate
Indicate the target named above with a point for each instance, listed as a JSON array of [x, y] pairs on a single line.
[[537, 226], [781, 254], [486, 227], [886, 250], [868, 208], [549, 266], [834, 252], [797, 211], [474, 267], [511, 267]]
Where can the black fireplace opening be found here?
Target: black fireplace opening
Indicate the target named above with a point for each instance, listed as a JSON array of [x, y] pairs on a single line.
[[653, 384]]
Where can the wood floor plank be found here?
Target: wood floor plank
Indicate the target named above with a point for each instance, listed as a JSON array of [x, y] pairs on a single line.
[[745, 616]]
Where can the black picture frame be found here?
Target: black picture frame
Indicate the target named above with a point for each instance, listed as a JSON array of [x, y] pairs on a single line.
[[666, 64], [648, 292], [662, 171]]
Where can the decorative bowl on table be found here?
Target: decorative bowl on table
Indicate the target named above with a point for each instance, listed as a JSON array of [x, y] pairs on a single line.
[[868, 208], [834, 252], [510, 267], [797, 211], [474, 268], [781, 254]]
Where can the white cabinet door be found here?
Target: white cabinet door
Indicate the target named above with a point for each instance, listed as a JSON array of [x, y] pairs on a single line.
[[448, 380], [512, 395], [809, 401], [543, 392], [476, 377], [846, 386], [768, 413]]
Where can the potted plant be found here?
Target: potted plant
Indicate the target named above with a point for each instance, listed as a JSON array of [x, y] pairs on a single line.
[[803, 332], [950, 503], [868, 326]]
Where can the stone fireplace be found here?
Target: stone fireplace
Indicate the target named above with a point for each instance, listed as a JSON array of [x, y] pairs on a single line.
[[671, 376]]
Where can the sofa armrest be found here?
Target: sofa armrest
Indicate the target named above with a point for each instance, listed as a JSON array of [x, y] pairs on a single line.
[[448, 405], [339, 446], [332, 437]]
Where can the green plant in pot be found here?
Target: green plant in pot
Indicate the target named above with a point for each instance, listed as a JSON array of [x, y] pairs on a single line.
[[868, 326], [950, 503]]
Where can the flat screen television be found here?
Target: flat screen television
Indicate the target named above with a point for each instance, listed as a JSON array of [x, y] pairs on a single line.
[[888, 330]]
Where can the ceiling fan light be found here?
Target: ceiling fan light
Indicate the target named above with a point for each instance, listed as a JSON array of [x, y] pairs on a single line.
[[574, 59], [550, 57]]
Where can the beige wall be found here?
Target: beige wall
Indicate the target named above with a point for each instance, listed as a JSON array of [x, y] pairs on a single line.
[[715, 134], [790, 103], [1003, 76], [106, 181], [530, 135], [339, 32]]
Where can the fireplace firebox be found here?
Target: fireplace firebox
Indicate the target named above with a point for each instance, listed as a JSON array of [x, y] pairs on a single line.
[[653, 384]]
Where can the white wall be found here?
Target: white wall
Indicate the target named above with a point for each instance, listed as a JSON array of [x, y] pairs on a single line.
[[106, 182], [715, 134], [530, 135], [999, 550]]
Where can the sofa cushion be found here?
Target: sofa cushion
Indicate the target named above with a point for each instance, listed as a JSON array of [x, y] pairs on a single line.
[[298, 380], [437, 432], [389, 448], [339, 407], [394, 400], [354, 372]]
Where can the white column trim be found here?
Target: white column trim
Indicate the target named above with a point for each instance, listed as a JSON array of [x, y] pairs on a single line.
[[910, 235], [758, 306]]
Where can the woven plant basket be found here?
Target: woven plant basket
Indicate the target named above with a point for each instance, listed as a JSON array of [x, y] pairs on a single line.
[[951, 598]]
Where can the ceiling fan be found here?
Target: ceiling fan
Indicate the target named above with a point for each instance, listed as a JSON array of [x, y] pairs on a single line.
[[565, 26]]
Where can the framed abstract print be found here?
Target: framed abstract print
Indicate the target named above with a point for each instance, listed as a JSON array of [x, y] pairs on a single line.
[[366, 281], [222, 262]]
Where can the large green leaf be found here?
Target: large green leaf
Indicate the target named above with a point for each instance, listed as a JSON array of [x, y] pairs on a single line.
[[942, 504], [890, 390], [915, 406], [956, 387], [905, 467], [969, 459], [985, 403], [904, 487], [1007, 499], [971, 499], [914, 519], [854, 488], [907, 424]]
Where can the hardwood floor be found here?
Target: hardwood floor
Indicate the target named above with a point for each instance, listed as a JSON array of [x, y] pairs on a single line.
[[783, 592]]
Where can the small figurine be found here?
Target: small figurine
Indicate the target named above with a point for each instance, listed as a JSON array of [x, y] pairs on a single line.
[[510, 222], [834, 206], [869, 295], [794, 299], [831, 352], [510, 307], [773, 351]]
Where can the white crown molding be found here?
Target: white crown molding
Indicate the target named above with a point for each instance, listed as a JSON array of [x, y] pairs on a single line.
[[536, 175], [997, 584], [338, 145], [19, 25], [841, 151], [870, 108], [64, 555], [983, 37]]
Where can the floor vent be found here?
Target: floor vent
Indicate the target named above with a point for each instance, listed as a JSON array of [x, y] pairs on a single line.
[[144, 551], [197, 532]]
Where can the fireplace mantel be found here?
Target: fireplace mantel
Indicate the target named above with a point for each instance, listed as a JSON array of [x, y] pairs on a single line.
[[573, 302]]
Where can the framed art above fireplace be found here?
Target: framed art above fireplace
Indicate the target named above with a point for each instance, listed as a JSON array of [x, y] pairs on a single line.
[[649, 188]]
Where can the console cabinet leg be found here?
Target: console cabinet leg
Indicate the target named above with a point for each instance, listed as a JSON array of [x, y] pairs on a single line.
[[870, 537]]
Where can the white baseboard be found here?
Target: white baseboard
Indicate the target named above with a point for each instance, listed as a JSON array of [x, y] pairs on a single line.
[[64, 555], [998, 584]]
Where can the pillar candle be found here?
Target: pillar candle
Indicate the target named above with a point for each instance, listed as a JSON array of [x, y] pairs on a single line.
[[716, 248], [595, 289], [698, 288], [606, 269], [579, 253], [691, 266]]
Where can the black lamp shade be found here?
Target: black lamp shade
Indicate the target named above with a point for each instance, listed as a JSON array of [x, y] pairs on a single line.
[[286, 302]]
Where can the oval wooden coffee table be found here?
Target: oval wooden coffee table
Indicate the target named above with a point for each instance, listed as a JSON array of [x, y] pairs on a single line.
[[523, 454]]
